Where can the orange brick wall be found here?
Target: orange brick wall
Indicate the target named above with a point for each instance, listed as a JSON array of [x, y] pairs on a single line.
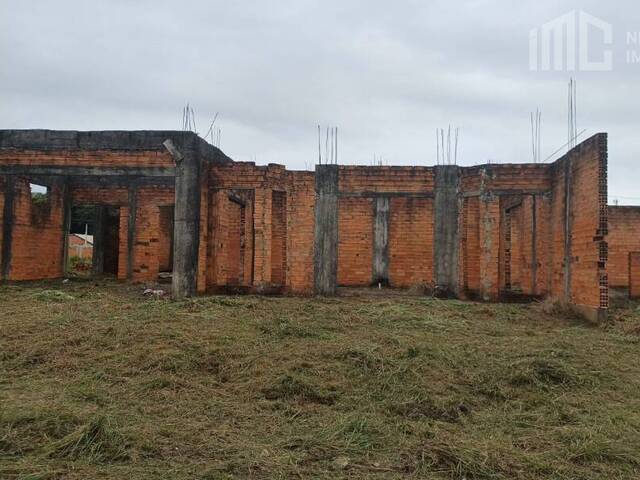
[[79, 248], [623, 238], [634, 274], [279, 238], [410, 242], [37, 239], [469, 254], [269, 241], [355, 243], [165, 235], [87, 158], [300, 232]]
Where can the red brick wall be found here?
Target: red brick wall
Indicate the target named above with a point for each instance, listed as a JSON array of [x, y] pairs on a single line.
[[300, 232], [578, 223], [411, 242], [624, 237], [469, 254], [270, 240], [87, 158], [634, 274], [79, 248], [124, 243], [279, 238], [37, 239], [165, 235], [355, 241]]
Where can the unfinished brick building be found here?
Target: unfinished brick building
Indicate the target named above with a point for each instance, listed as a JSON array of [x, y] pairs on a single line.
[[170, 201]]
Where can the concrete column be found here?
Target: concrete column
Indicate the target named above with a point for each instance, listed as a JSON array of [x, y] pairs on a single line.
[[326, 230], [381, 241], [186, 240], [446, 229], [7, 225]]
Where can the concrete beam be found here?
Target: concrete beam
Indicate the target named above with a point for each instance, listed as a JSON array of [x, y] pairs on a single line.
[[326, 230], [187, 219], [446, 235], [381, 240]]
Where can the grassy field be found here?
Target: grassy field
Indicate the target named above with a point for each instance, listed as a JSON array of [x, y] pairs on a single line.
[[97, 381]]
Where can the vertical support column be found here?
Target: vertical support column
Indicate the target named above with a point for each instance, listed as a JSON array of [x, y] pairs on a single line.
[[7, 225], [66, 225], [381, 241], [131, 229], [489, 237], [98, 240], [186, 239], [326, 230], [446, 229]]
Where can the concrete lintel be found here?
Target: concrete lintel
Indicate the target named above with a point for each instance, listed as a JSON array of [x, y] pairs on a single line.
[[505, 191], [374, 194]]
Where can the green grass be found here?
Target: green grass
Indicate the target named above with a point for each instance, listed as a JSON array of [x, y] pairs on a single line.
[[97, 381]]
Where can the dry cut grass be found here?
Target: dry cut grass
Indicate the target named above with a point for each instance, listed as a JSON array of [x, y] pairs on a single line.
[[97, 381]]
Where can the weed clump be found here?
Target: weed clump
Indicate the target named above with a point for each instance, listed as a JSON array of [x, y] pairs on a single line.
[[543, 373], [98, 441], [53, 296], [426, 407], [289, 388]]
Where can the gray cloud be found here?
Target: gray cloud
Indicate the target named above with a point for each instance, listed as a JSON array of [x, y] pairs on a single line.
[[386, 73]]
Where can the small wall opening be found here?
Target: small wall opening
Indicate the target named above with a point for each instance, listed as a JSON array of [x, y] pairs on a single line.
[[111, 240], [39, 193], [93, 240], [80, 240], [40, 204]]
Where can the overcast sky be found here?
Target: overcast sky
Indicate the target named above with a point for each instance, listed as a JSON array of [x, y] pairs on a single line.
[[386, 73]]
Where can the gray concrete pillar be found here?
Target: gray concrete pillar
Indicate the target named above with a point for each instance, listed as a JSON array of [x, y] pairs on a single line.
[[187, 217], [381, 241], [326, 230], [446, 229]]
